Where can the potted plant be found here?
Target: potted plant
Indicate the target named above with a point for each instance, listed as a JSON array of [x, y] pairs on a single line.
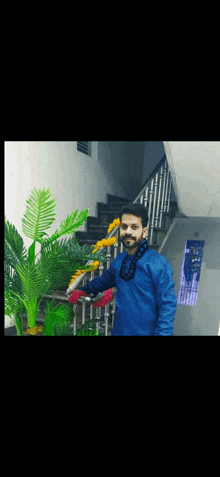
[[30, 275]]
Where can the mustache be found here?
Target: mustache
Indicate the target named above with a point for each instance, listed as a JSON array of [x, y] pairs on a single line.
[[129, 236]]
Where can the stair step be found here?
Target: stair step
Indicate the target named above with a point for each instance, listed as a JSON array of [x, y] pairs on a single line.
[[115, 198], [117, 205], [109, 212], [103, 229], [92, 234]]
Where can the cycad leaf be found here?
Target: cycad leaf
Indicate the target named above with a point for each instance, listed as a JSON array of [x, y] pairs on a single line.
[[60, 260], [68, 226], [54, 266], [15, 251], [39, 214], [12, 303], [33, 283], [74, 251], [12, 280], [54, 314]]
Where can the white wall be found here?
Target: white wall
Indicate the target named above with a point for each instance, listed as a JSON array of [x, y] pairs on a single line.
[[76, 180], [195, 169], [123, 161], [202, 318], [153, 153]]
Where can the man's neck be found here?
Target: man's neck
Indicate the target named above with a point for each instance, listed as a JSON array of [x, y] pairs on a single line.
[[131, 251]]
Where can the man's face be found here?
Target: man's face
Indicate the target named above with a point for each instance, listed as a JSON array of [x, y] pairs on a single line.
[[132, 232]]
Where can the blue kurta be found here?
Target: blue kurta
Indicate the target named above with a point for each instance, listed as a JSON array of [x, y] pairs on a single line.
[[145, 300]]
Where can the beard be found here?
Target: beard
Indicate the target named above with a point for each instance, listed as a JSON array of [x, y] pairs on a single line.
[[133, 242]]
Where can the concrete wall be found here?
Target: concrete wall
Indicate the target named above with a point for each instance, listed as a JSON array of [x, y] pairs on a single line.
[[202, 318], [123, 163], [195, 169], [153, 152]]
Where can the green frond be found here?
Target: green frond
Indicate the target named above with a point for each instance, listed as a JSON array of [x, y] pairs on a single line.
[[89, 328], [33, 283], [12, 303], [60, 260], [68, 226], [15, 252], [39, 214], [75, 251], [55, 314], [52, 266], [63, 329]]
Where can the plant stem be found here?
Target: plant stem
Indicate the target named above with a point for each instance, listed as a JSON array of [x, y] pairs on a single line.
[[32, 310], [18, 324]]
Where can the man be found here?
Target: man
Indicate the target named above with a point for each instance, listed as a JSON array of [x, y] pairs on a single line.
[[145, 300]]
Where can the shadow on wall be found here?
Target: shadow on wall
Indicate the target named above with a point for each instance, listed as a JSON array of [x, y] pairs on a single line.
[[197, 320], [201, 319]]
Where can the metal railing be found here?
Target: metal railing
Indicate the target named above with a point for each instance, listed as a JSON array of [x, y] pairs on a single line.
[[155, 195]]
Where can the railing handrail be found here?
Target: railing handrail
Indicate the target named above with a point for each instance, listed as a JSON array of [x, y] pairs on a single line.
[[153, 173], [78, 280]]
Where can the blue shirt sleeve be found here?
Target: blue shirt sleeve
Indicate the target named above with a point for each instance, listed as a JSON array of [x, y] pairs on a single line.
[[165, 300], [99, 284]]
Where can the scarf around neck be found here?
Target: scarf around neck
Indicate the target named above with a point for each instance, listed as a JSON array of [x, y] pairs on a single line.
[[138, 254]]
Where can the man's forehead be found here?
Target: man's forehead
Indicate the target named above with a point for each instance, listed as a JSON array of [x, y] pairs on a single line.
[[131, 219]]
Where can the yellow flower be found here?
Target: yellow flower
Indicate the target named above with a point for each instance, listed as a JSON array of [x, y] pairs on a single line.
[[94, 265], [114, 224], [105, 243], [101, 243]]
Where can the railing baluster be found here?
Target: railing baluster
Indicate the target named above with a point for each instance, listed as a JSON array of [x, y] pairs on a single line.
[[159, 195], [166, 191], [99, 310], [116, 245], [146, 196], [74, 317], [142, 199], [163, 192], [154, 205], [106, 316], [169, 195], [83, 306], [150, 204]]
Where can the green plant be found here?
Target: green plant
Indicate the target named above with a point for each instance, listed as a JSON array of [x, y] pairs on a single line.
[[88, 329], [29, 276], [58, 321]]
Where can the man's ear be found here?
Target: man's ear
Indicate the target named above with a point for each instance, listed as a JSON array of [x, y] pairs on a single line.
[[145, 230]]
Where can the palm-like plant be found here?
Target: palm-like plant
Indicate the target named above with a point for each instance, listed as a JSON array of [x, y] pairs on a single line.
[[27, 280]]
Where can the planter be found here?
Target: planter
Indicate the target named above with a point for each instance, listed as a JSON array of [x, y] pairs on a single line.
[[35, 331]]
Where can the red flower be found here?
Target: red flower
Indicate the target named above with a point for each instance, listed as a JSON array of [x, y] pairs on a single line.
[[74, 297], [108, 295]]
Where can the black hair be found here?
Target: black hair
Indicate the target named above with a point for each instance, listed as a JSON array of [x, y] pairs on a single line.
[[135, 209]]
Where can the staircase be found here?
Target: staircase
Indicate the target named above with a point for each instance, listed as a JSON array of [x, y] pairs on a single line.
[[158, 196], [96, 227]]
